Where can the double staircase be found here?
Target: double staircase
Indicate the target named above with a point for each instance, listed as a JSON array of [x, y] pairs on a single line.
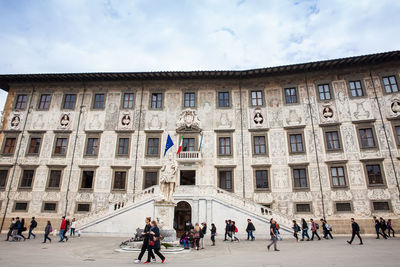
[[248, 208]]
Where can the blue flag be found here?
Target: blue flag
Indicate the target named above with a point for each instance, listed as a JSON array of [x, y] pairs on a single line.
[[168, 145]]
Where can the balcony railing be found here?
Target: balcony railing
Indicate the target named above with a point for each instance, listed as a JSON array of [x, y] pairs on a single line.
[[189, 156]]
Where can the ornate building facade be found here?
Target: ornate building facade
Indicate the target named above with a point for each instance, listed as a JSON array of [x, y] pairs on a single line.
[[319, 139]]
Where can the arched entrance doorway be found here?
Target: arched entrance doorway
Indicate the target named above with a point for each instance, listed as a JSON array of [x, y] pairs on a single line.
[[183, 213]]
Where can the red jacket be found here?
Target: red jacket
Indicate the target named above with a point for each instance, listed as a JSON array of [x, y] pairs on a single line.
[[63, 225]]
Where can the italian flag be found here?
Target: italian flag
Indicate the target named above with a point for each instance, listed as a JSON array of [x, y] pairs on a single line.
[[180, 145]]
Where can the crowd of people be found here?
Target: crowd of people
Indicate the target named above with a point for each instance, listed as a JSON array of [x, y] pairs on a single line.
[[17, 228]]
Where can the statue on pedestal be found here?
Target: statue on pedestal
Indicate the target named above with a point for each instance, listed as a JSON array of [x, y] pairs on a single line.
[[168, 179]]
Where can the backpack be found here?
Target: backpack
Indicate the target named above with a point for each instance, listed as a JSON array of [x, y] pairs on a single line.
[[51, 229], [317, 226], [328, 227], [236, 230], [277, 226], [34, 224], [298, 228]]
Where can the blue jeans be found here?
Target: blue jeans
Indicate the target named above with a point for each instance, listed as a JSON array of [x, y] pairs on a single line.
[[304, 233], [61, 234], [250, 234], [30, 233], [186, 243]]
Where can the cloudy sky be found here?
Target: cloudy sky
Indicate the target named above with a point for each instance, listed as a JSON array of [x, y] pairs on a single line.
[[39, 36]]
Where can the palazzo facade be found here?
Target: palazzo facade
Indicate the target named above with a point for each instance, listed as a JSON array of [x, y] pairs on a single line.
[[311, 140]]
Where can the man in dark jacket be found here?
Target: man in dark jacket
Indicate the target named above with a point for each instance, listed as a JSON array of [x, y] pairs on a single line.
[[227, 229], [11, 228], [383, 226], [146, 236], [378, 228], [31, 227], [250, 228], [355, 231]]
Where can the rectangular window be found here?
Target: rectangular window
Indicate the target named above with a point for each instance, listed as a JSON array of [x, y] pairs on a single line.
[[390, 84], [188, 144], [300, 178], [224, 146], [303, 208], [332, 140], [324, 92], [367, 138], [150, 179], [119, 180], [296, 143], [92, 147], [27, 179], [9, 146], [225, 180], [98, 101], [374, 174], [123, 146], [256, 98], [223, 99], [397, 134], [21, 102], [34, 145], [190, 100], [262, 179], [355, 89], [259, 143], [69, 101], [21, 206], [152, 146], [54, 179], [291, 95], [338, 176], [3, 178], [381, 206], [83, 207], [61, 146], [128, 101], [44, 102], [343, 207], [49, 206], [156, 100], [87, 179]]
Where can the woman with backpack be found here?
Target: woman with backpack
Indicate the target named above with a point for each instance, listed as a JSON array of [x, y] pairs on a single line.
[[314, 229], [296, 230], [213, 233], [47, 230], [196, 236], [154, 243], [234, 230]]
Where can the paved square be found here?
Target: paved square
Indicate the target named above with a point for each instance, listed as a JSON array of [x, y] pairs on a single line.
[[100, 251]]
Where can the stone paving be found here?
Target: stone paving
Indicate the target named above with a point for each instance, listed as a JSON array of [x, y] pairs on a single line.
[[100, 251]]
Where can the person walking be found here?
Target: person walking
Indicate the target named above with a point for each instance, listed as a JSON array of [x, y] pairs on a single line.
[[62, 229], [73, 227], [213, 234], [314, 229], [250, 228], [304, 230], [296, 230], [389, 227], [47, 230], [154, 243], [227, 229], [383, 226], [67, 224], [32, 226], [378, 228], [272, 232], [234, 231], [202, 234], [22, 228], [355, 231], [327, 229], [12, 226], [278, 236], [146, 235]]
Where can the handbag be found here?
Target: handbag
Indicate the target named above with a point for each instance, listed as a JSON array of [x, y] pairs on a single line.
[[151, 243]]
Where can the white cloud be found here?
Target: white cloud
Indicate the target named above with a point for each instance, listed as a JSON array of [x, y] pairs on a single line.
[[88, 36]]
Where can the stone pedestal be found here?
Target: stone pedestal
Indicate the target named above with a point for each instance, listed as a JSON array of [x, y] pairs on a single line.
[[164, 215]]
